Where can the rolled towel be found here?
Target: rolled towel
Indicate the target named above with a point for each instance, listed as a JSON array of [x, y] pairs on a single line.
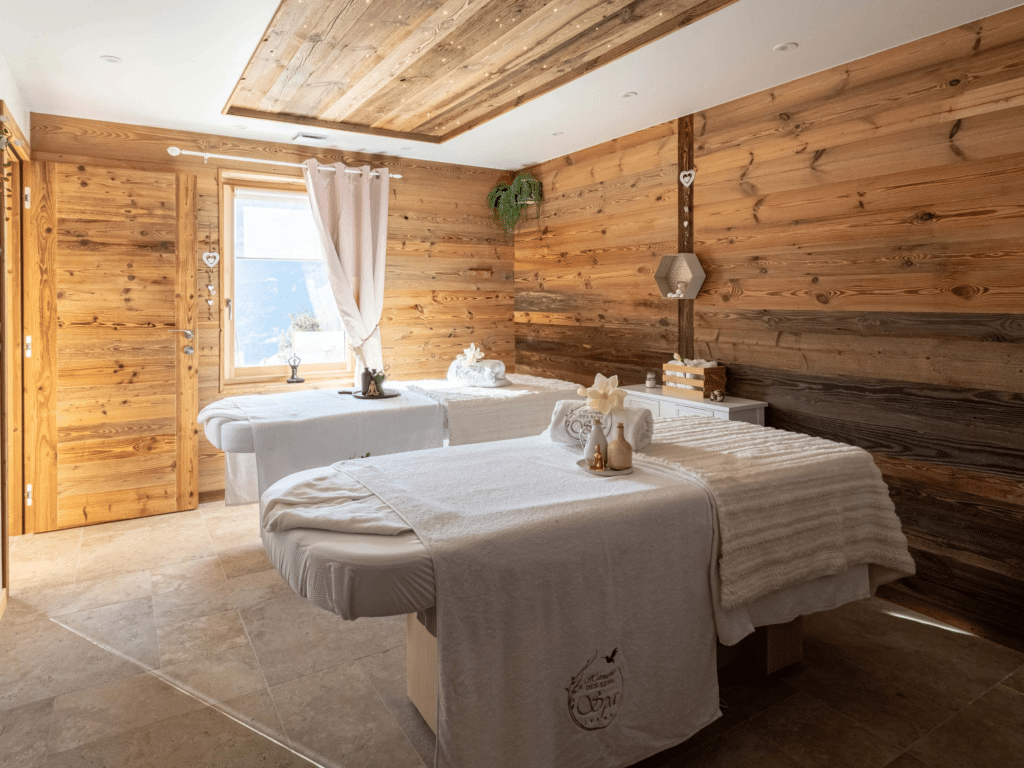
[[485, 373], [571, 420]]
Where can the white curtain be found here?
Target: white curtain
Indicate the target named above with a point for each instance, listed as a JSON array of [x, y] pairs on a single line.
[[351, 212]]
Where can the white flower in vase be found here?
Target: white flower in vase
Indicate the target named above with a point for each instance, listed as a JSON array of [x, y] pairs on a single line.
[[605, 396]]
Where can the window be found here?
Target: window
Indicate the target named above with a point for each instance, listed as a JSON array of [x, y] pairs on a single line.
[[276, 279]]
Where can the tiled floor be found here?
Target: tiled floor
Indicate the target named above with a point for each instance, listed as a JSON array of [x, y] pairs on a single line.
[[170, 641]]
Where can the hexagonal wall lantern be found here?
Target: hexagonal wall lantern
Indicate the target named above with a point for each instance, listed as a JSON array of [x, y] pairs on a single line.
[[679, 276]]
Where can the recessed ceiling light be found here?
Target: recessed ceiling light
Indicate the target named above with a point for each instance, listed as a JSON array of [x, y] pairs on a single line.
[[242, 127], [786, 46], [110, 59], [307, 136], [558, 133], [405, 149], [628, 94]]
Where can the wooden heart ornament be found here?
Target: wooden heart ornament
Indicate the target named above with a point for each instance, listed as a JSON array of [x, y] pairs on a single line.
[[686, 177], [210, 258]]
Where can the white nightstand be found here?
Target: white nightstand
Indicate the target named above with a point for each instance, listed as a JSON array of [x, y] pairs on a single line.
[[659, 404]]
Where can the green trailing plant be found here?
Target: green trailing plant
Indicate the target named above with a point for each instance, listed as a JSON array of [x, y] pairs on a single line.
[[511, 203]]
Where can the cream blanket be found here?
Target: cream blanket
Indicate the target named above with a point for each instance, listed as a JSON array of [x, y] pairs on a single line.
[[790, 507]]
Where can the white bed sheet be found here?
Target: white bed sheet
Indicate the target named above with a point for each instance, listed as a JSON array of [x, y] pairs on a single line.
[[483, 414], [360, 575]]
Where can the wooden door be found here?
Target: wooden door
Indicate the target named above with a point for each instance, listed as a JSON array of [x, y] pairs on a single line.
[[111, 392]]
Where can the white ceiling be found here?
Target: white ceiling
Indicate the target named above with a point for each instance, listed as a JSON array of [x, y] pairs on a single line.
[[181, 59]]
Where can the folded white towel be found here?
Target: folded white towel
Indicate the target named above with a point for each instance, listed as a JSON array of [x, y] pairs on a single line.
[[485, 373], [571, 420]]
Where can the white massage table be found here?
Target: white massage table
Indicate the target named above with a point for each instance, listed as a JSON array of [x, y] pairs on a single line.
[[466, 415], [306, 428], [356, 575]]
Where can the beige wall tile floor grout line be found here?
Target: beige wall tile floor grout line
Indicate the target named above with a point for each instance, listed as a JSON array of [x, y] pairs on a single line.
[[386, 707]]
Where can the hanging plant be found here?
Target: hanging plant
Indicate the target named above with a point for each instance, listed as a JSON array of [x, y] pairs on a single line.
[[511, 203]]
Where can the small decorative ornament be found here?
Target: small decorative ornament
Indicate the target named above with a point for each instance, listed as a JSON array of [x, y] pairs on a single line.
[[652, 379], [605, 396], [687, 177], [598, 464], [717, 396], [210, 258], [293, 363], [372, 390]]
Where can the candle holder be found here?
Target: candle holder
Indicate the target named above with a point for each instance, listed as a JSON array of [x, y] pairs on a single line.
[[293, 363]]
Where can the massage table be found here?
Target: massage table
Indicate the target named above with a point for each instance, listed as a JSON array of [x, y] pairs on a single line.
[[465, 415], [366, 574], [267, 437]]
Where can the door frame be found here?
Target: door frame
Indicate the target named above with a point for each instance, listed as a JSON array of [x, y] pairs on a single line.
[[40, 321], [12, 510]]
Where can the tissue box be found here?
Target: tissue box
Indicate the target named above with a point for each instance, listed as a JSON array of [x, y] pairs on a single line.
[[698, 386]]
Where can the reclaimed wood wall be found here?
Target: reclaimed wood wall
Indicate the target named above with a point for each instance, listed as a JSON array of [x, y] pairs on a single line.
[[861, 232], [585, 298], [449, 271]]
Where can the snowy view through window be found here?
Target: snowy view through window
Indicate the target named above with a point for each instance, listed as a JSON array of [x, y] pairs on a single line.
[[283, 301]]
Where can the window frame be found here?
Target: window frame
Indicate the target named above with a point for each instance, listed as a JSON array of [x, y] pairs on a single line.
[[239, 375]]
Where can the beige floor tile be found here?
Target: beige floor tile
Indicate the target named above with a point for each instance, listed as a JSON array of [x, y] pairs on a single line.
[[143, 548], [1015, 682], [107, 710], [987, 733], [201, 739], [171, 521], [192, 573], [23, 734], [335, 718], [257, 710], [43, 659], [293, 638], [241, 592], [218, 677], [741, 748], [948, 668], [194, 639], [125, 628], [44, 560], [72, 598], [816, 736], [386, 673], [897, 713], [244, 560]]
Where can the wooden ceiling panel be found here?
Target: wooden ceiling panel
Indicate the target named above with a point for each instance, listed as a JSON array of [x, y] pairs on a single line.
[[429, 70]]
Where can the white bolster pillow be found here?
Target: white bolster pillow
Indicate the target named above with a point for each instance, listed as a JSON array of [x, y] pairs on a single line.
[[486, 373], [570, 419]]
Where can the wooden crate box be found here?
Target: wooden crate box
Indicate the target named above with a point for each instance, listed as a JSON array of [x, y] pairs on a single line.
[[699, 386]]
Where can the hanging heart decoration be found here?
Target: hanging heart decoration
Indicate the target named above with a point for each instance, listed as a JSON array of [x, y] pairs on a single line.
[[686, 177], [210, 258]]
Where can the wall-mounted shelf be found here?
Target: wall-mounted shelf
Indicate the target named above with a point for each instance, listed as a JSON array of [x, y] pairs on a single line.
[[676, 268]]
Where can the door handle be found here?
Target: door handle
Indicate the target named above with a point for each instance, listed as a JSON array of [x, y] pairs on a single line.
[[188, 350], [188, 333]]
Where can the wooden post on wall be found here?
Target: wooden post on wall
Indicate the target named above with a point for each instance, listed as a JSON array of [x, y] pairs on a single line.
[[685, 229]]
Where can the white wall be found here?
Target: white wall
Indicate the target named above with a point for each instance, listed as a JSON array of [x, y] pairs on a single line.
[[10, 94]]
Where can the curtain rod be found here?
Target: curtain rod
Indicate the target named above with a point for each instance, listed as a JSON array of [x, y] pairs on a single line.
[[175, 151]]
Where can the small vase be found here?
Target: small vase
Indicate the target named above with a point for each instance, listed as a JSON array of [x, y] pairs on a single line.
[[596, 440], [620, 452]]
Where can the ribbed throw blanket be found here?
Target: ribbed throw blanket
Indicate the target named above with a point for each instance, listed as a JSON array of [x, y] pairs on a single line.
[[790, 507]]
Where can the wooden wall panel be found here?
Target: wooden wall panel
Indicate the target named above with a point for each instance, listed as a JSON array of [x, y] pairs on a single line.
[[860, 229], [585, 297], [450, 273]]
